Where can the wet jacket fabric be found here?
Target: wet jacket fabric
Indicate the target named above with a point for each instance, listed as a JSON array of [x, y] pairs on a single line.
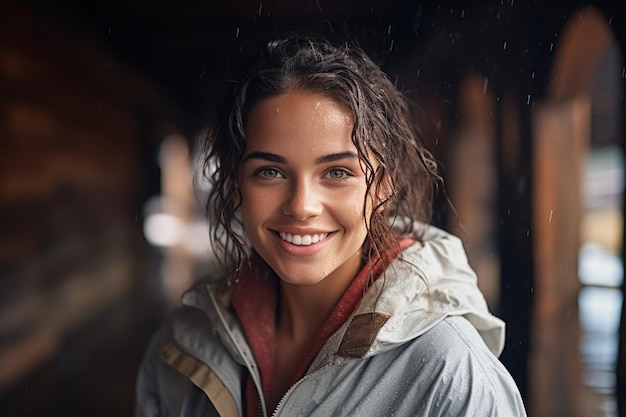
[[420, 343]]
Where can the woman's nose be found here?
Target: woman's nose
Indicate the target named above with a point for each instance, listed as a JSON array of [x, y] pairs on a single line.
[[303, 201]]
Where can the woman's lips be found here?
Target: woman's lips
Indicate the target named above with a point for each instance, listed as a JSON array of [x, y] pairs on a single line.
[[302, 239]]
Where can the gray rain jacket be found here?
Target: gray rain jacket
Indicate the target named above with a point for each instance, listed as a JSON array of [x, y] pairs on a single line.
[[409, 349]]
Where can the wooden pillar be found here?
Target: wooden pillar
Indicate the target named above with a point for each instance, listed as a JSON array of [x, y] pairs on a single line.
[[560, 145]]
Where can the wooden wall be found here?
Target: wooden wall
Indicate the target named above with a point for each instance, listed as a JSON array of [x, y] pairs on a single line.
[[73, 137]]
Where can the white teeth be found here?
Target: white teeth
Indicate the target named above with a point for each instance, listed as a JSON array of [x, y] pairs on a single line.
[[302, 240]]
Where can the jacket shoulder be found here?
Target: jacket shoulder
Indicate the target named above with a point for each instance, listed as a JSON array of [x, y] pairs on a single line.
[[465, 377], [162, 389]]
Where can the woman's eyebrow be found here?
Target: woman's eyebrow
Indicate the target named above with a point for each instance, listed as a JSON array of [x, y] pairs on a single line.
[[335, 157], [267, 156]]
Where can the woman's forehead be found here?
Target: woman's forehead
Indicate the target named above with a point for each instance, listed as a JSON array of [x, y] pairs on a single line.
[[308, 118]]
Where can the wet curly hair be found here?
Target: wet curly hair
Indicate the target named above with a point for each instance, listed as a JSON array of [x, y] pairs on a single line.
[[397, 166]]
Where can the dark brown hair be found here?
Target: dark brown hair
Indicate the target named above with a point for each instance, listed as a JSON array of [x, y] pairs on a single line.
[[399, 171]]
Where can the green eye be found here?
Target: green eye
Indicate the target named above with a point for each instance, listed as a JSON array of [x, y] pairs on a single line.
[[338, 173], [269, 173]]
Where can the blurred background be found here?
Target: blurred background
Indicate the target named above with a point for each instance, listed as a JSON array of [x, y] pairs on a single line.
[[102, 104]]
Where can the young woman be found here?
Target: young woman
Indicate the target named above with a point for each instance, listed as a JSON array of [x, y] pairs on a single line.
[[336, 298]]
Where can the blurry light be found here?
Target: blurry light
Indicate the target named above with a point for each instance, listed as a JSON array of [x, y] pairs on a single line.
[[600, 309], [197, 238], [163, 229], [598, 266]]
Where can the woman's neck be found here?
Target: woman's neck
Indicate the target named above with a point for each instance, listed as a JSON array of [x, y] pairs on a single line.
[[302, 309]]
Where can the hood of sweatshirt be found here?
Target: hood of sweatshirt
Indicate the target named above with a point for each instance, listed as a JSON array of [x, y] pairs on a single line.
[[430, 281]]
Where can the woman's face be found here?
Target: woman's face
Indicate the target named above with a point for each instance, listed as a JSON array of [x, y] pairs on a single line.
[[303, 189]]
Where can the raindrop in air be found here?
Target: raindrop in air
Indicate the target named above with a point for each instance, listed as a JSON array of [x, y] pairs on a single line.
[[528, 100]]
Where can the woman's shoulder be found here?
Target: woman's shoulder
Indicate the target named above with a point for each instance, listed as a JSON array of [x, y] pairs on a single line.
[[455, 344], [446, 371], [181, 324], [456, 361]]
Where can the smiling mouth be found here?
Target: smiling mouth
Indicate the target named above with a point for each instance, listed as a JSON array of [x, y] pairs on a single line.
[[302, 240]]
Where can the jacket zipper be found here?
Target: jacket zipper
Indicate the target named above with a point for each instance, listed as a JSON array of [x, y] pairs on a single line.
[[284, 397], [293, 388]]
